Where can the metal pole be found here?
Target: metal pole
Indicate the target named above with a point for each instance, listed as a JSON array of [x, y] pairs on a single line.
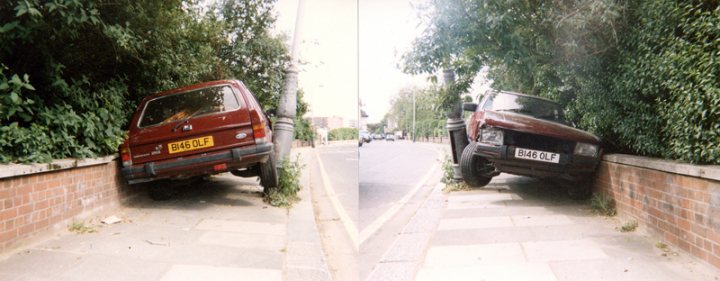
[[287, 107], [456, 128]]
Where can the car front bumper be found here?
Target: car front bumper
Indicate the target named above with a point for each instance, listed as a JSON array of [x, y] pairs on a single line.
[[570, 167], [201, 164]]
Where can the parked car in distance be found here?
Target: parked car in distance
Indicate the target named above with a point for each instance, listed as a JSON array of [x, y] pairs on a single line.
[[364, 137], [526, 135], [199, 130], [390, 137]]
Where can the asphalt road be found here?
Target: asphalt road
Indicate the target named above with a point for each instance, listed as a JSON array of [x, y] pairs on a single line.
[[394, 178]]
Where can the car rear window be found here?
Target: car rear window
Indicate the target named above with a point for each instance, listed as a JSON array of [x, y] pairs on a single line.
[[186, 105]]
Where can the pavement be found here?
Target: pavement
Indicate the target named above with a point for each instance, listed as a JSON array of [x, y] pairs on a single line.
[[218, 229], [520, 228]]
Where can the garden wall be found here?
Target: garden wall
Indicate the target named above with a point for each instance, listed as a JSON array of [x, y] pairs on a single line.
[[678, 202], [40, 199]]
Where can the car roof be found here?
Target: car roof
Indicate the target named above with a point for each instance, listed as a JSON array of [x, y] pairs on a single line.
[[192, 87], [493, 91]]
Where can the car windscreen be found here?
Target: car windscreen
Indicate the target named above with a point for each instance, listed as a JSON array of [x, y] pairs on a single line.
[[534, 107], [187, 105]]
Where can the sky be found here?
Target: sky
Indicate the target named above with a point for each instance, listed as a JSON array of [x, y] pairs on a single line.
[[351, 49]]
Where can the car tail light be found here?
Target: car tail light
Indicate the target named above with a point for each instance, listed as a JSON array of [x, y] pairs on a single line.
[[258, 126], [125, 156]]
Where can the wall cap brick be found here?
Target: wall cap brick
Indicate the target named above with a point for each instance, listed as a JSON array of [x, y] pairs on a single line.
[[14, 170], [711, 172]]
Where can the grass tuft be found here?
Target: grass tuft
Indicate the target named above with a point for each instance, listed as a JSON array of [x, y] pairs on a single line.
[[289, 184], [603, 204], [629, 226], [80, 228]]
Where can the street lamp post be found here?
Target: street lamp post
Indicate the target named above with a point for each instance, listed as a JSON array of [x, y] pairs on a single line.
[[456, 128], [287, 107]]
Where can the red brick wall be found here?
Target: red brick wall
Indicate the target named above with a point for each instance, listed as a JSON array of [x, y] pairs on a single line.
[[683, 210], [39, 204]]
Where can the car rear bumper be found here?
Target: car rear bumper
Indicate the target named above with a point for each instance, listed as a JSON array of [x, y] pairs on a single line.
[[570, 167], [202, 164]]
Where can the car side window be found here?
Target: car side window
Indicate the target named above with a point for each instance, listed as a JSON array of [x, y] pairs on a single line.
[[229, 100], [488, 103]]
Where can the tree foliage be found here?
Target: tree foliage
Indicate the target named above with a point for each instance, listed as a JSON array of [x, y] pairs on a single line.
[[641, 74], [71, 71], [429, 119]]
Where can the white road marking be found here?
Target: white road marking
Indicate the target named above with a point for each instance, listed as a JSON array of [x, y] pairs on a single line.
[[349, 224], [387, 215]]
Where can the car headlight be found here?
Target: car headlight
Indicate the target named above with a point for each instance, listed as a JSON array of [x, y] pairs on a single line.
[[586, 149], [492, 136]]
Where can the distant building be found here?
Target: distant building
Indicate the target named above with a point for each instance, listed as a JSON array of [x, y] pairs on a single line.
[[330, 123], [351, 123]]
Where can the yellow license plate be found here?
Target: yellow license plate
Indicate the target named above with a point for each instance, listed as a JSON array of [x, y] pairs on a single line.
[[191, 144]]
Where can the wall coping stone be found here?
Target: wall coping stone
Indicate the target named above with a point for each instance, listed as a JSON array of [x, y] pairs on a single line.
[[711, 172], [14, 170]]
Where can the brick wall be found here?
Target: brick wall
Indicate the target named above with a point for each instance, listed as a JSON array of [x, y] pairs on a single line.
[[36, 202], [678, 202]]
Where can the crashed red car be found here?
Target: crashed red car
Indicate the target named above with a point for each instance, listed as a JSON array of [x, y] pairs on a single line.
[[199, 130], [525, 135]]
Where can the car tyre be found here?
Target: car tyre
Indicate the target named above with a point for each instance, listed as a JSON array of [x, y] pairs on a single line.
[[579, 190], [268, 174], [470, 165]]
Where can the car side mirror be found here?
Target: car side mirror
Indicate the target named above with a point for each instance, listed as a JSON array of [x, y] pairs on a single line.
[[469, 106]]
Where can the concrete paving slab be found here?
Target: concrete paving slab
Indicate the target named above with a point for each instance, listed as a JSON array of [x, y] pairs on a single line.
[[616, 270], [495, 272], [243, 240], [515, 234], [242, 226], [393, 271], [114, 268], [476, 206], [541, 220], [473, 255], [216, 273], [486, 196], [40, 265], [482, 211], [475, 223], [546, 251], [560, 236]]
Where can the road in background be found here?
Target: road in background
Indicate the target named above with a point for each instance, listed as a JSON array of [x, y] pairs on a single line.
[[395, 177]]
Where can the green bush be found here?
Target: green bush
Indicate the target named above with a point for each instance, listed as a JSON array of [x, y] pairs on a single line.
[[72, 72], [343, 134], [643, 75]]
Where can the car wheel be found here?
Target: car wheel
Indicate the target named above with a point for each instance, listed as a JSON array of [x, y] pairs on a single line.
[[161, 191], [579, 190], [268, 174], [471, 164]]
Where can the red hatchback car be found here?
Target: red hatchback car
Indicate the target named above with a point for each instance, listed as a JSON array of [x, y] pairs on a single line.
[[526, 135], [199, 130]]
